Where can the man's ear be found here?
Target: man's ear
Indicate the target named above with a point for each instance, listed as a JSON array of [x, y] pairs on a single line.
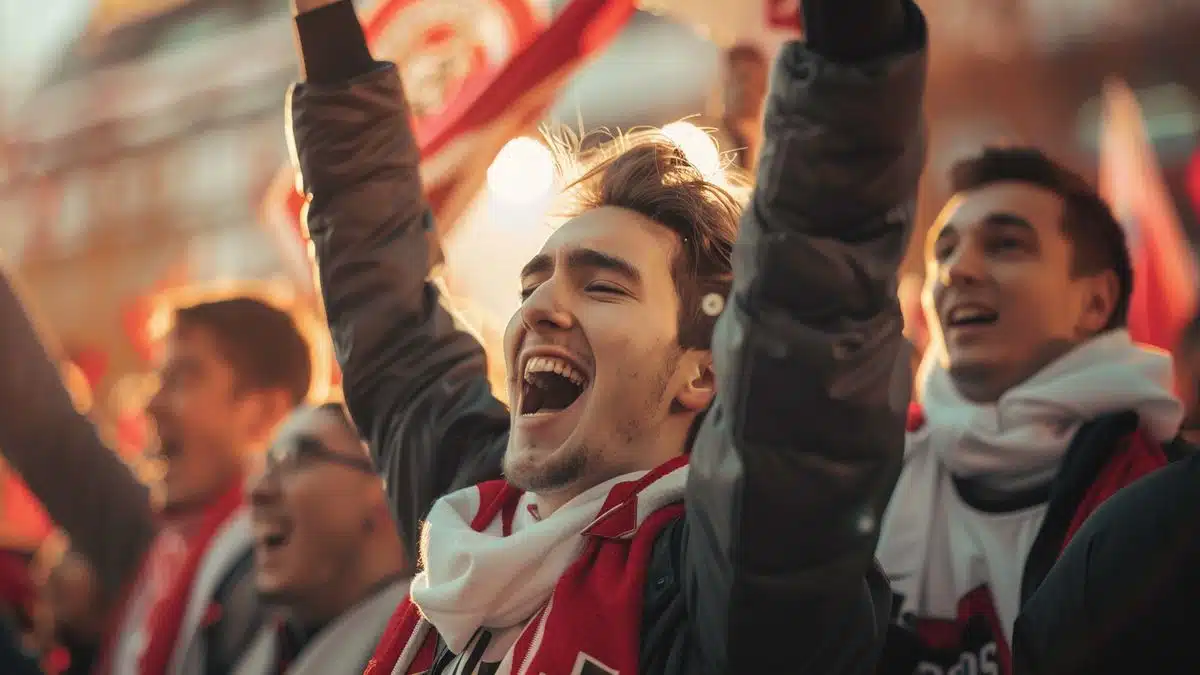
[[700, 386], [1101, 293], [265, 410]]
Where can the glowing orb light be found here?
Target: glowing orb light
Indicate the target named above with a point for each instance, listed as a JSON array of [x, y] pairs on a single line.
[[523, 172], [700, 148]]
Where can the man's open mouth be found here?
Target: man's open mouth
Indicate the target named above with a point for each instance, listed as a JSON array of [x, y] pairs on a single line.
[[970, 315], [550, 385]]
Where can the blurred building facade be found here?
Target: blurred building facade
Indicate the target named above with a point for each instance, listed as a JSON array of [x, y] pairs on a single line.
[[137, 152]]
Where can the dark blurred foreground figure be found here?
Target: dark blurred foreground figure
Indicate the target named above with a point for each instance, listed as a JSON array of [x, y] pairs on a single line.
[[633, 532], [74, 610], [177, 576], [1124, 597], [327, 555], [15, 657], [1035, 407], [16, 608]]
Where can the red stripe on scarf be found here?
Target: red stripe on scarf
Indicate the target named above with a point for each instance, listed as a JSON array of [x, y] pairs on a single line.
[[165, 617], [596, 609]]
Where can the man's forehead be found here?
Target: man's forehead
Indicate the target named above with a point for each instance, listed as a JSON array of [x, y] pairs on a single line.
[[982, 206], [613, 230], [320, 424], [191, 343]]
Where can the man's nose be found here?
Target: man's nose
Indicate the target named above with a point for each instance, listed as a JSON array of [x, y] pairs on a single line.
[[546, 309], [264, 488], [964, 266], [157, 404]]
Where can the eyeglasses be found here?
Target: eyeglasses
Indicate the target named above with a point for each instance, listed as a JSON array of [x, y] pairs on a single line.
[[305, 450]]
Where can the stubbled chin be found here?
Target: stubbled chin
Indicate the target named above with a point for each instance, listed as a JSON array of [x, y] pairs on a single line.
[[972, 356], [521, 457], [269, 587]]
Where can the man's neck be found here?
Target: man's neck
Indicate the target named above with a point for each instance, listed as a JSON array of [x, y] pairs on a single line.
[[186, 514], [651, 451], [548, 503], [984, 384], [358, 588]]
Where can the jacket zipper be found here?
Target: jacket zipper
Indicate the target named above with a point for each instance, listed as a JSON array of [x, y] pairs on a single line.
[[537, 636]]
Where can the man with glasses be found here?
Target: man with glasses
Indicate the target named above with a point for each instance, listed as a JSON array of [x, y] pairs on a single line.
[[327, 553]]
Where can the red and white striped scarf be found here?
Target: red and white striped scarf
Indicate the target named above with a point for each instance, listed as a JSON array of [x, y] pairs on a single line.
[[535, 596]]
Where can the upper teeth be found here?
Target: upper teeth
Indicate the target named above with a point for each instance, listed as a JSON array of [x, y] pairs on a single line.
[[550, 364], [967, 313]]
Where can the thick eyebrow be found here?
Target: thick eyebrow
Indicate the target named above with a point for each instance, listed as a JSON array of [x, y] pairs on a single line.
[[992, 220], [540, 264], [1005, 219], [586, 258]]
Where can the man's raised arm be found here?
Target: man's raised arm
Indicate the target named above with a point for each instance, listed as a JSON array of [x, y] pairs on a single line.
[[796, 461], [86, 488], [416, 386]]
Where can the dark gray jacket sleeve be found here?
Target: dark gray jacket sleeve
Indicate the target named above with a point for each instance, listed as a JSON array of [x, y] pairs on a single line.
[[86, 488], [796, 460], [415, 384]]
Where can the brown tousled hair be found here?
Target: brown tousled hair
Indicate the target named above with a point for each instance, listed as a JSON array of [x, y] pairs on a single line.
[[262, 343], [647, 173]]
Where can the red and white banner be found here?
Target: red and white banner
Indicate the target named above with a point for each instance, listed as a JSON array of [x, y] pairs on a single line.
[[1165, 278], [477, 73], [783, 15]]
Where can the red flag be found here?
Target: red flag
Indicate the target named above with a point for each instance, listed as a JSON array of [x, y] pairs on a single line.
[[784, 15], [477, 74], [1165, 279]]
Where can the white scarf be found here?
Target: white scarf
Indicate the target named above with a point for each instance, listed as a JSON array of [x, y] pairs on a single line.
[[1020, 440], [475, 580]]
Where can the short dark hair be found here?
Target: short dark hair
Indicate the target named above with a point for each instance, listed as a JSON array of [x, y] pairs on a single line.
[[1097, 239], [262, 343], [651, 176]]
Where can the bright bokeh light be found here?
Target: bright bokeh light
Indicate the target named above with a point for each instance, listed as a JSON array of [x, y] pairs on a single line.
[[522, 173], [699, 147]]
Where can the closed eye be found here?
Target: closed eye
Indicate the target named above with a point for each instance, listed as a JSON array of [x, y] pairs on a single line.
[[1006, 244], [526, 292], [942, 250], [605, 288]]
